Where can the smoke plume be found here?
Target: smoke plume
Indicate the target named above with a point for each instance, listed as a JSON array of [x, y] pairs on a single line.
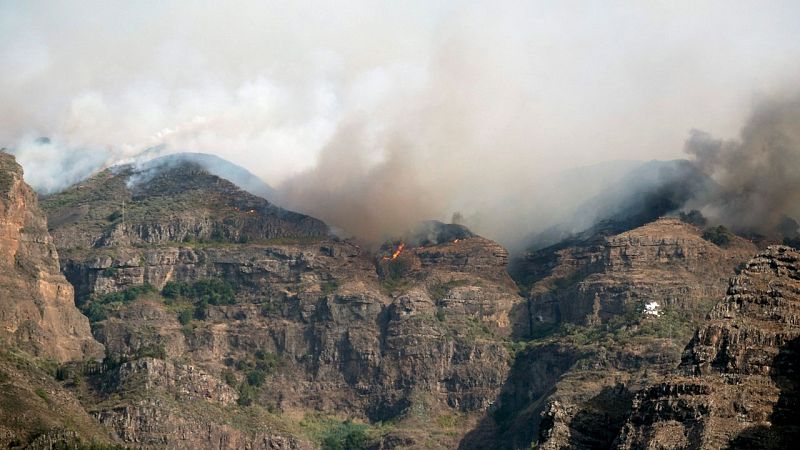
[[758, 174], [376, 115]]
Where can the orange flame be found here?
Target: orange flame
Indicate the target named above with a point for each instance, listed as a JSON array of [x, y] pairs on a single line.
[[455, 241], [396, 252]]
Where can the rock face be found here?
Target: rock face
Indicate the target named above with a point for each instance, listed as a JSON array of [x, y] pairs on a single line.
[[739, 387], [594, 342], [299, 323], [666, 261], [37, 309]]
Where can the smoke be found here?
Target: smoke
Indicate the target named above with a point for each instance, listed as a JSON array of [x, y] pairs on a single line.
[[374, 116], [757, 175]]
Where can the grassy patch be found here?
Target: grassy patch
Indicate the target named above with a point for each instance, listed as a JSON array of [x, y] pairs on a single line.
[[42, 394]]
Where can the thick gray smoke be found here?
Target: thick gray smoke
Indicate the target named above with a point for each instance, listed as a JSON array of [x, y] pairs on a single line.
[[758, 174], [376, 115]]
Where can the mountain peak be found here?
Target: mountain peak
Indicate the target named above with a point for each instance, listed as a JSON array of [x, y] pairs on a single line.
[[171, 199]]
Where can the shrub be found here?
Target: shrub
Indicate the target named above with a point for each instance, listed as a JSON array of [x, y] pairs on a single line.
[[185, 316], [152, 351], [246, 394], [213, 291], [229, 378], [256, 377], [346, 436], [718, 235]]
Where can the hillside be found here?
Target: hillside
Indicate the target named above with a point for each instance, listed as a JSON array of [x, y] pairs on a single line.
[[222, 312], [593, 344], [228, 322]]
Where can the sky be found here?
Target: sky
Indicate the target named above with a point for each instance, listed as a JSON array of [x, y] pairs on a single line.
[[372, 115]]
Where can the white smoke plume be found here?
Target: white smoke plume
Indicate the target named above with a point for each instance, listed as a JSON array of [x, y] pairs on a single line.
[[375, 115]]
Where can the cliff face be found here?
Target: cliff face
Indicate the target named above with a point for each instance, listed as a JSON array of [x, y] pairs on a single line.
[[606, 316], [739, 386], [666, 261], [37, 309], [276, 318]]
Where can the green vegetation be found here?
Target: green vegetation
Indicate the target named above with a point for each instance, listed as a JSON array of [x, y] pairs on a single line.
[[213, 291], [718, 235], [201, 293], [185, 316], [151, 351], [229, 378], [42, 394], [97, 309], [333, 434], [346, 436], [256, 372]]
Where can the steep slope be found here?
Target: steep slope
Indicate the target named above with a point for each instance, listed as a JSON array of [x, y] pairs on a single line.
[[37, 309], [167, 201], [39, 327], [739, 387], [605, 317], [223, 313]]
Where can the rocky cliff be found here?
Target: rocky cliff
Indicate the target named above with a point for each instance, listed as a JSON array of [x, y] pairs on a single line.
[[606, 316], [37, 309], [259, 312], [40, 327], [739, 381]]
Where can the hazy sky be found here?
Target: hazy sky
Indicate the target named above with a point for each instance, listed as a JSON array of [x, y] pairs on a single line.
[[472, 100]]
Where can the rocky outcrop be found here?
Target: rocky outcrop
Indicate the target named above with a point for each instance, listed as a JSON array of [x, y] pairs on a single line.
[[590, 308], [345, 340], [666, 261], [310, 324], [739, 387], [37, 309]]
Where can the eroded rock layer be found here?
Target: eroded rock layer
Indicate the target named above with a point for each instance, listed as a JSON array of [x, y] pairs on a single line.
[[739, 387], [37, 306]]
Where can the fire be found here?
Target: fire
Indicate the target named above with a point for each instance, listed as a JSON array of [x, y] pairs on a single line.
[[455, 241], [396, 252]]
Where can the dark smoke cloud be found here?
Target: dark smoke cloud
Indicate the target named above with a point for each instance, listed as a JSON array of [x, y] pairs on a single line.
[[758, 174]]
